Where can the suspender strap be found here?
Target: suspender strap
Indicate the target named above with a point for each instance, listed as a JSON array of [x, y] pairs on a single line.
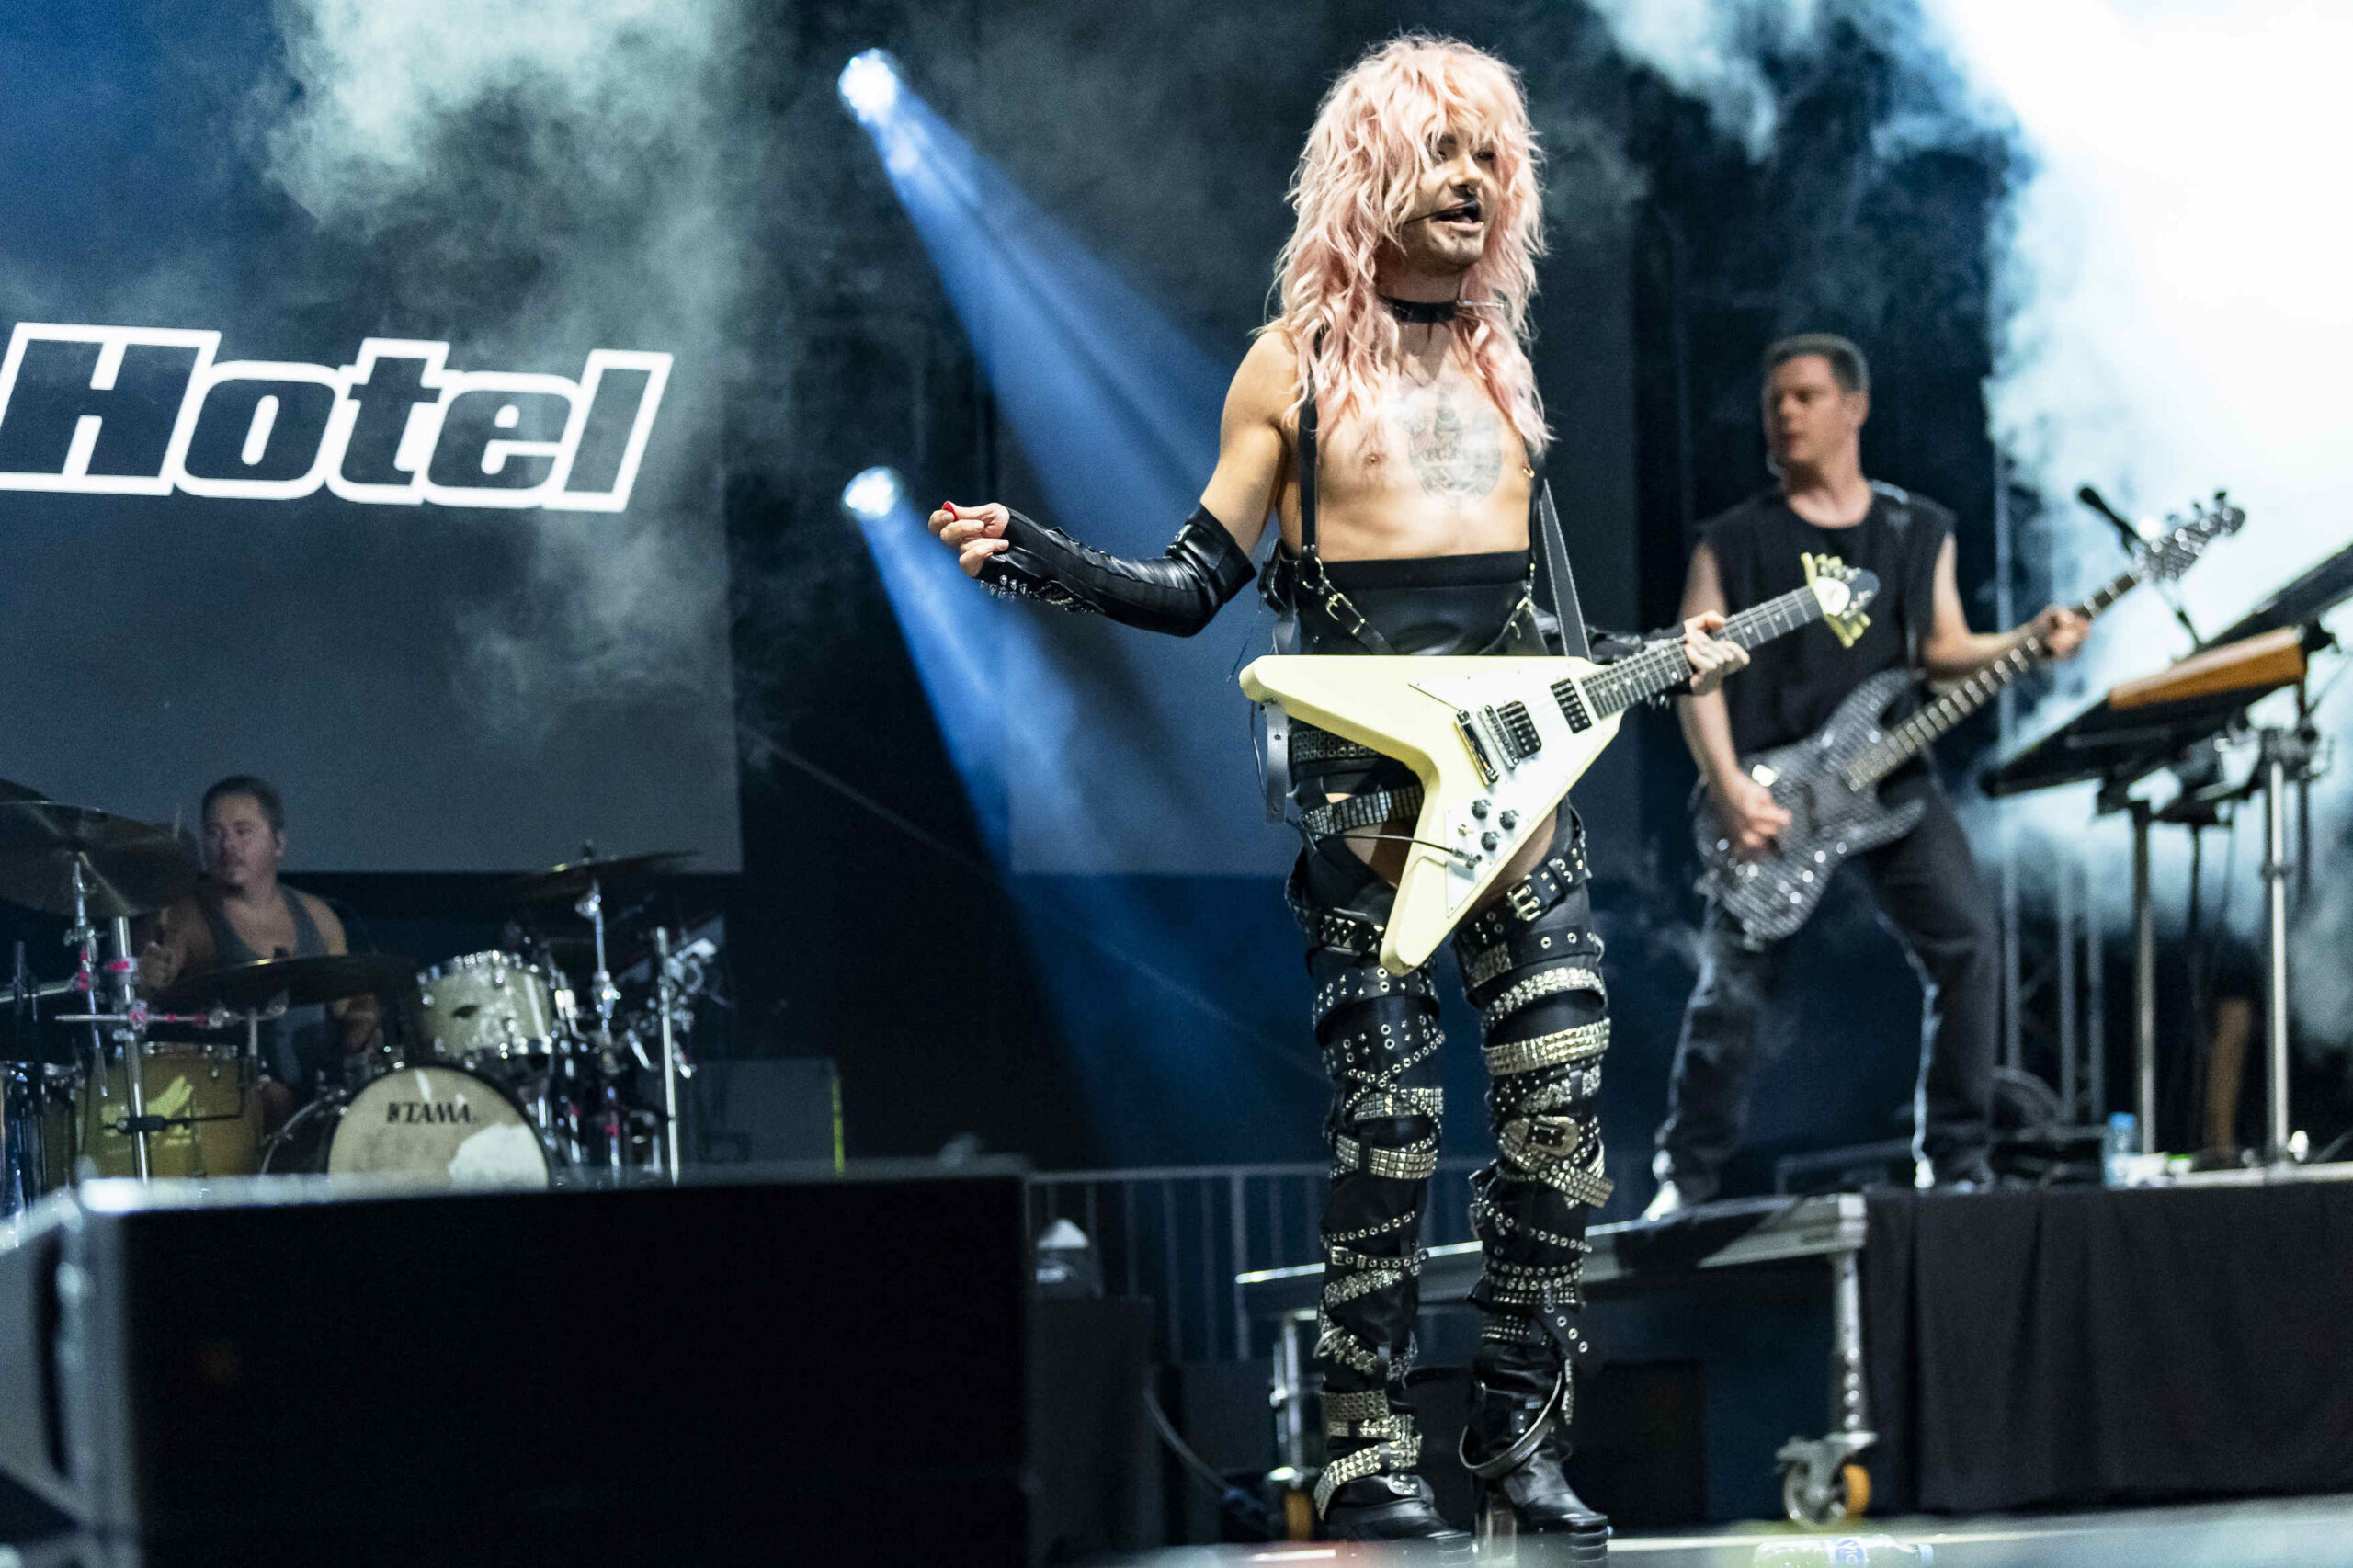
[[1311, 581], [1307, 469]]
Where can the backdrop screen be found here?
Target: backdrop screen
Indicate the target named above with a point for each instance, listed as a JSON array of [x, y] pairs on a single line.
[[308, 470]]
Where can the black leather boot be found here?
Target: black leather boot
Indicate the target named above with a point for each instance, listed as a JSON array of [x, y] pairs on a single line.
[[1397, 1508], [1368, 1490], [1513, 1445]]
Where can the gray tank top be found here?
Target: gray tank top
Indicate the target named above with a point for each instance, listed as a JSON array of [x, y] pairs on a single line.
[[230, 947], [295, 1046]]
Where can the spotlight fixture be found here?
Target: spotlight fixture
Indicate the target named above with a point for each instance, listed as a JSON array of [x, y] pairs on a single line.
[[872, 495], [869, 84]]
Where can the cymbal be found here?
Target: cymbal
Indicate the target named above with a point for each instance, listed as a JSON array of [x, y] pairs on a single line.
[[128, 867], [571, 880], [12, 791], [330, 977]]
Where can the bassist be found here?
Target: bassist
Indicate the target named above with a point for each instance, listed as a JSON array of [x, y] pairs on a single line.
[[1816, 397]]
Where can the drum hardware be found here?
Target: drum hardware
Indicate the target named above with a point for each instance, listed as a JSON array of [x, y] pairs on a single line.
[[574, 878], [77, 862], [585, 883], [86, 863], [680, 976]]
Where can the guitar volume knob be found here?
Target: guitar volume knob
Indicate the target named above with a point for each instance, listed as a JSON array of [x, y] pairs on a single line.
[[1509, 820], [1488, 840], [1479, 810]]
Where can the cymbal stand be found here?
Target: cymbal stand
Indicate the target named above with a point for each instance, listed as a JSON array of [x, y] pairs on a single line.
[[606, 993], [129, 1018], [665, 995]]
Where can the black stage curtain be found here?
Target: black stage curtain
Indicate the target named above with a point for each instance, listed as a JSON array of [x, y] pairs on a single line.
[[2083, 1346]]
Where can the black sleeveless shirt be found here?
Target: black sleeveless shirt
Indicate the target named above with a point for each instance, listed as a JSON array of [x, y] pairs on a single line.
[[1792, 683]]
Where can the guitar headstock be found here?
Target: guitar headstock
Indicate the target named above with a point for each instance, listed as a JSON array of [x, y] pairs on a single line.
[[1842, 591], [2172, 553]]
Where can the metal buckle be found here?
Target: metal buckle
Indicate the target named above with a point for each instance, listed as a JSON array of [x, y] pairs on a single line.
[[1335, 603], [1523, 900]]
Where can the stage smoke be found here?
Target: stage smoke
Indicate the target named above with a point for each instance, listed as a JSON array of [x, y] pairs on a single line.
[[533, 179], [2169, 317]]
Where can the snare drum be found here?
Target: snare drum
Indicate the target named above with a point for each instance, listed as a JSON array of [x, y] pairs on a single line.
[[435, 1121], [485, 1006], [210, 1094]]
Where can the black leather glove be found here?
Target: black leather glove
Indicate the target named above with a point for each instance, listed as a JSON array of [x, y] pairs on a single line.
[[1178, 593]]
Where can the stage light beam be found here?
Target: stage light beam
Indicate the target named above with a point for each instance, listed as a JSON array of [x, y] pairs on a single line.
[[870, 86], [870, 497]]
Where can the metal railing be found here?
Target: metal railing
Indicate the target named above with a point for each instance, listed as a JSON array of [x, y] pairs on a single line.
[[1177, 1235]]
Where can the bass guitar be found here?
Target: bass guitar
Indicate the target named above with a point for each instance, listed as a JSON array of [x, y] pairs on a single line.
[[1497, 742], [1829, 781]]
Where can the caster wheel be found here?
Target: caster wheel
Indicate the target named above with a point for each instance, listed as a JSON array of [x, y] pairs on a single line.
[[1849, 1497]]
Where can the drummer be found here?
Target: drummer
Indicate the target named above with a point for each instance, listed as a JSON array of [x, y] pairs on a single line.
[[240, 913]]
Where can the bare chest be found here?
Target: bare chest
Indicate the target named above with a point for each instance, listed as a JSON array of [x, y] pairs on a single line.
[[1437, 470]]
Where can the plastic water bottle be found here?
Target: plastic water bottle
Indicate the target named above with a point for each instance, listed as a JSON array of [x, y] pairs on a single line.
[[2117, 1149], [1843, 1552]]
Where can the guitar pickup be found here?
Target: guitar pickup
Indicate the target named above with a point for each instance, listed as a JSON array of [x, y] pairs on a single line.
[[1468, 728], [1573, 707], [1516, 727]]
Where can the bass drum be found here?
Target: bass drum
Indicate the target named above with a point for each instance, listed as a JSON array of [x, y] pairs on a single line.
[[439, 1122]]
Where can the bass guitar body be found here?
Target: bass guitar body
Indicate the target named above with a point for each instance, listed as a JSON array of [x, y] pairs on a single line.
[[1831, 820]]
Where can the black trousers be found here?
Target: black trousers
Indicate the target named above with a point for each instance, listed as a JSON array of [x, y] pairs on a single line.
[[1930, 894], [1532, 967]]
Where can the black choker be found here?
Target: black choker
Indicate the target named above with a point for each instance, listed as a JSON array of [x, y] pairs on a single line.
[[1421, 312]]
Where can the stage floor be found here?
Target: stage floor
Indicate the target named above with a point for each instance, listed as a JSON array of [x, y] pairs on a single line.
[[2278, 1532]]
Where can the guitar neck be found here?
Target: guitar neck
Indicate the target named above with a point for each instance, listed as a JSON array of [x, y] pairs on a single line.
[[1909, 739], [1662, 666]]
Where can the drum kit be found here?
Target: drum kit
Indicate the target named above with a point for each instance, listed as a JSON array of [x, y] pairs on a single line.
[[495, 1067]]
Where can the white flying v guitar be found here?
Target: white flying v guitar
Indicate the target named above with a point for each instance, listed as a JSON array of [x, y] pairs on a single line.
[[1497, 742]]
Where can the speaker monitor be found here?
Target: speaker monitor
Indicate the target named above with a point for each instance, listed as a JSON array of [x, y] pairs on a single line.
[[744, 1369]]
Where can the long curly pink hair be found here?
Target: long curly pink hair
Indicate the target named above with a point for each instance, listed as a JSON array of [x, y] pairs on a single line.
[[1374, 137]]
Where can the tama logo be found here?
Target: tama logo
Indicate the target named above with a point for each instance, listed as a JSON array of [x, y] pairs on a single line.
[[412, 1113], [146, 410]]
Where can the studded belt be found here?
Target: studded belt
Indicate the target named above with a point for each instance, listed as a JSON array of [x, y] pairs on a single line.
[[1579, 1044], [1544, 983], [1416, 1162], [1371, 808]]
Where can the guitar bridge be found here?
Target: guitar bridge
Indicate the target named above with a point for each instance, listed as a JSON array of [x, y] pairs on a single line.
[[1468, 728]]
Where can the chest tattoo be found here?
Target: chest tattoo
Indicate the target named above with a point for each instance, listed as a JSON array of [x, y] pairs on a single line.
[[1453, 438]]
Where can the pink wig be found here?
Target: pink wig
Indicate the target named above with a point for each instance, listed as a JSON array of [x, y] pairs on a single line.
[[1375, 135]]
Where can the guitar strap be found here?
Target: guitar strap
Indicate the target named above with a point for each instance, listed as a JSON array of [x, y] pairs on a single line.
[[1559, 583], [1899, 523]]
